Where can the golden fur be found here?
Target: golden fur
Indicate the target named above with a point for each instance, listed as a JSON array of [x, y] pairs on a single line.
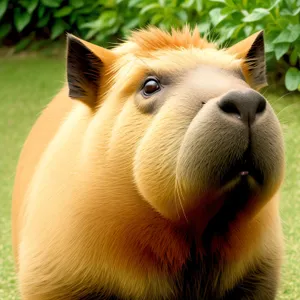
[[101, 205]]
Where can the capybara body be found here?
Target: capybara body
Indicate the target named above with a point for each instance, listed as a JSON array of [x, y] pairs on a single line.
[[153, 174]]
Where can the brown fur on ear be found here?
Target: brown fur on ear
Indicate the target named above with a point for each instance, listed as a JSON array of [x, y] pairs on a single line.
[[85, 68], [252, 51]]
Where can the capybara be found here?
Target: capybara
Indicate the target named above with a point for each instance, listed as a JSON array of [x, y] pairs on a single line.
[[153, 174]]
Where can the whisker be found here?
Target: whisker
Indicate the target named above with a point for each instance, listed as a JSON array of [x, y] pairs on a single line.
[[286, 107], [280, 98], [179, 193]]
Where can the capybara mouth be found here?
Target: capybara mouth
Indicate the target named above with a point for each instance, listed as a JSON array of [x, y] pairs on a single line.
[[242, 169], [235, 201]]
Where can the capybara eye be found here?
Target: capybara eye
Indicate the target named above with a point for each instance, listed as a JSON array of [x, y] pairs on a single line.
[[150, 87]]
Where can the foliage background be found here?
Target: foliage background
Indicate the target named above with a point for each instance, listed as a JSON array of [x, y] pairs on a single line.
[[33, 24]]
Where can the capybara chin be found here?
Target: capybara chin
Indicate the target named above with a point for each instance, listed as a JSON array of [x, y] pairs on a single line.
[[153, 174]]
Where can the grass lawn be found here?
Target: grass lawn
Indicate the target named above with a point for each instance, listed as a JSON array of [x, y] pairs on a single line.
[[28, 84]]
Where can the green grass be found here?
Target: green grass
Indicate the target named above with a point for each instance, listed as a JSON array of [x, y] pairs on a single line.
[[27, 84]]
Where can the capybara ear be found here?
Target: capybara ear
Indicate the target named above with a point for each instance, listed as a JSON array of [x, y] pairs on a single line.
[[85, 67], [252, 51]]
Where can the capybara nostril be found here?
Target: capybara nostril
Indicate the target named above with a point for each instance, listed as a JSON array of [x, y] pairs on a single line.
[[244, 105]]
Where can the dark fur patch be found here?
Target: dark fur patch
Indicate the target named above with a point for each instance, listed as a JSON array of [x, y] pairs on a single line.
[[259, 284], [83, 71], [201, 280], [234, 202], [198, 275]]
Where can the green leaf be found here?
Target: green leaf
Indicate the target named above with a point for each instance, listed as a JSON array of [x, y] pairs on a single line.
[[199, 5], [108, 3], [41, 11], [100, 38], [64, 11], [91, 33], [297, 47], [270, 36], [204, 27], [230, 3], [294, 57], [269, 47], [153, 6], [112, 30], [281, 49], [288, 35], [73, 17], [289, 3], [292, 79], [22, 44], [294, 27], [58, 28], [244, 12], [182, 15], [286, 12], [3, 7], [216, 16], [80, 21], [76, 3], [51, 3], [108, 19], [282, 22], [86, 10], [4, 30], [132, 23], [248, 30], [156, 19], [259, 26], [230, 31], [256, 15], [21, 19], [226, 33], [188, 3], [220, 1], [37, 45], [30, 5], [43, 21], [237, 30], [274, 4], [296, 11], [96, 24], [133, 3], [227, 10]]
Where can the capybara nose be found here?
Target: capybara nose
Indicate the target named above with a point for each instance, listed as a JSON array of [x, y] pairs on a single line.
[[245, 105]]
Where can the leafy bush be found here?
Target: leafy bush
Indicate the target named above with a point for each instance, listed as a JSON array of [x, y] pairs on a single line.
[[105, 21]]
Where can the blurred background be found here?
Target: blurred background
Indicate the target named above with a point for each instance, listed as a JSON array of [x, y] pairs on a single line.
[[35, 25], [32, 70]]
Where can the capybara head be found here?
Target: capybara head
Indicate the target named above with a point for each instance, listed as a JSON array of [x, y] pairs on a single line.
[[186, 120]]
